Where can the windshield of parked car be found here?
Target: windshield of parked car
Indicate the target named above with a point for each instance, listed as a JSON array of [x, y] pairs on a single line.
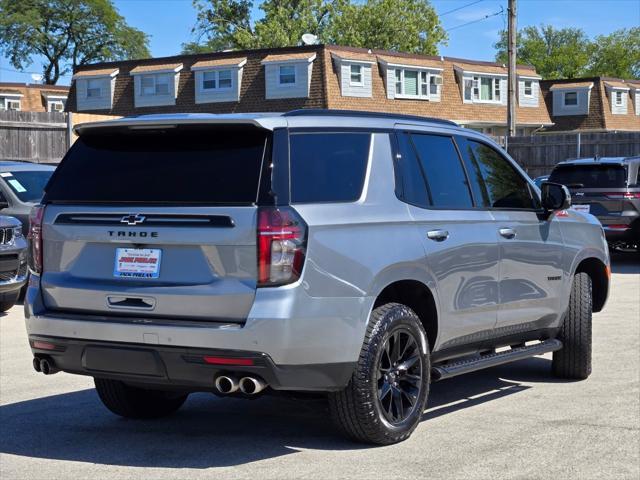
[[590, 176], [28, 185]]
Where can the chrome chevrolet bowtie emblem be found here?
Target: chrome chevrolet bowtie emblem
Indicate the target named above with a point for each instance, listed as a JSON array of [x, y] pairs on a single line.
[[132, 219]]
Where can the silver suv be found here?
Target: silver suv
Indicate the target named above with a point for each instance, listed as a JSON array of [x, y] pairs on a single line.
[[360, 255]]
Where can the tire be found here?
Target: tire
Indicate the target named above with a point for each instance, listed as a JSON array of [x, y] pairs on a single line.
[[573, 361], [8, 300], [363, 411], [133, 402]]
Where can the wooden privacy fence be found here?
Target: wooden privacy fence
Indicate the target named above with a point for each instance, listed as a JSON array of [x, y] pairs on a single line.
[[539, 153], [39, 137]]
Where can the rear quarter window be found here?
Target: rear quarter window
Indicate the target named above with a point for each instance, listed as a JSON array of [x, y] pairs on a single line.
[[328, 167]]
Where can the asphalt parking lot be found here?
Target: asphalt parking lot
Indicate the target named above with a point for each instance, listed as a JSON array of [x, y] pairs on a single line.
[[514, 421]]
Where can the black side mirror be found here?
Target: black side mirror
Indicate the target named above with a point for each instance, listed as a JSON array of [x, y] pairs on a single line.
[[555, 197]]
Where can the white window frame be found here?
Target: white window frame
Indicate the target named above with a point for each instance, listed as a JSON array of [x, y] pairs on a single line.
[[14, 101], [564, 99], [154, 77], [424, 76], [360, 74], [618, 94], [295, 76], [494, 89], [51, 103], [99, 82], [216, 73], [524, 88]]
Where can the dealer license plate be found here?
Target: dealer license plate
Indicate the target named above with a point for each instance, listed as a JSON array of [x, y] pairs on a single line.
[[581, 208], [137, 263]]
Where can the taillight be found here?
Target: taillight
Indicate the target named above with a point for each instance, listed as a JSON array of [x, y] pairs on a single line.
[[35, 238], [623, 195], [282, 238]]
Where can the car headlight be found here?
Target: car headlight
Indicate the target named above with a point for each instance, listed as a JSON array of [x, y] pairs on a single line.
[[17, 232]]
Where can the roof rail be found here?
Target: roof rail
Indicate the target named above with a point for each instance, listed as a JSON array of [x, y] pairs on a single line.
[[361, 113]]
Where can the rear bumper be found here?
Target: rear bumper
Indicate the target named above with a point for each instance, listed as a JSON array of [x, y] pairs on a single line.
[[179, 368], [630, 233], [307, 343]]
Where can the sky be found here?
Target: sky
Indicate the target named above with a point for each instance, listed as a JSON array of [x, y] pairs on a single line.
[[471, 35]]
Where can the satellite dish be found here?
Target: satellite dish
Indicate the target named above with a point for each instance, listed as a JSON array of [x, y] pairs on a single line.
[[36, 77], [309, 39]]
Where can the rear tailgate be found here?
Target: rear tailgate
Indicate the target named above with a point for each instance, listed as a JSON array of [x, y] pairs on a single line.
[[155, 224]]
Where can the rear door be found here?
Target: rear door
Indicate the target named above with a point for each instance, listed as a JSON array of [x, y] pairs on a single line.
[[155, 223], [459, 240]]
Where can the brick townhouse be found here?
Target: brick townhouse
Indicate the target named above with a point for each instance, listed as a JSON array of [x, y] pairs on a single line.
[[471, 93], [32, 97], [597, 104]]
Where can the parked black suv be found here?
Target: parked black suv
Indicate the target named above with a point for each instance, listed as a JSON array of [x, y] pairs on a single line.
[[608, 188]]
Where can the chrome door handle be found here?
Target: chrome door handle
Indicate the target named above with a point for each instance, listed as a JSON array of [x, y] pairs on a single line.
[[437, 235], [507, 233]]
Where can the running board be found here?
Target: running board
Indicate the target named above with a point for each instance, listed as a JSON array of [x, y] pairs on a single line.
[[453, 369]]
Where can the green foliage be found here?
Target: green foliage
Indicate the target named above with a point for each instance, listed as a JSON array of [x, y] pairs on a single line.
[[569, 53], [66, 33], [407, 25], [617, 54]]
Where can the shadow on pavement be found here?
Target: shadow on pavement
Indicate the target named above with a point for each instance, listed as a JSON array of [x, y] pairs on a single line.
[[625, 262], [212, 432]]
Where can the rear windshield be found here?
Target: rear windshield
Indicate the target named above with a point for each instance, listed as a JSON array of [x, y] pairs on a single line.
[[170, 166], [328, 167], [28, 186], [590, 176]]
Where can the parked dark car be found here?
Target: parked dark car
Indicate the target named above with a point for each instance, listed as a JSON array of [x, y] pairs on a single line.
[[21, 187], [540, 180], [608, 188], [13, 262]]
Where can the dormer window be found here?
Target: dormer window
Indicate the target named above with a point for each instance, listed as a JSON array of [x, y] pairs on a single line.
[[94, 88], [570, 99], [288, 75], [483, 89], [618, 97], [419, 79], [528, 88], [356, 75], [218, 80], [155, 85]]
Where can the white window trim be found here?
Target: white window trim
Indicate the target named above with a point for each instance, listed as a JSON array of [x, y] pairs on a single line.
[[570, 105], [155, 76], [232, 70], [86, 90], [524, 88], [429, 71], [13, 99], [295, 76], [360, 73], [478, 79], [620, 94], [50, 103]]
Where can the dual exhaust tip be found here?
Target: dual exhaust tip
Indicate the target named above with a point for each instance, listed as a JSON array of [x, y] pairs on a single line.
[[247, 385], [45, 365]]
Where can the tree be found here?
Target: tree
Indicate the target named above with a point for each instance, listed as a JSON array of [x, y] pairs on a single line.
[[617, 54], [407, 25], [66, 34], [556, 53]]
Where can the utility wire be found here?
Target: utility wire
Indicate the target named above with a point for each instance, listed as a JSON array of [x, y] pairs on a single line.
[[477, 20], [459, 8]]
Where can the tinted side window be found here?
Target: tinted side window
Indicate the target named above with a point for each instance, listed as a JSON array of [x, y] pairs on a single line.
[[414, 190], [474, 171], [328, 167], [505, 186], [446, 180]]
